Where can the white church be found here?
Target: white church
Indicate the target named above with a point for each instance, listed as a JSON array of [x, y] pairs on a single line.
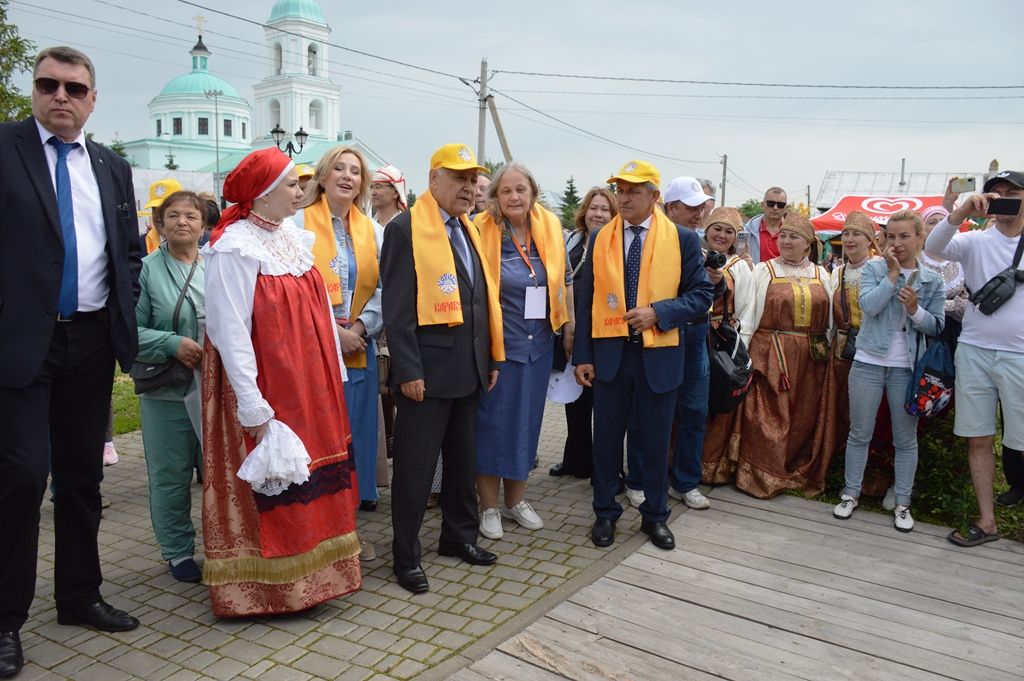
[[201, 124]]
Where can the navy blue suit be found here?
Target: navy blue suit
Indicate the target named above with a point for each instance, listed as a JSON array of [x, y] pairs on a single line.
[[639, 384]]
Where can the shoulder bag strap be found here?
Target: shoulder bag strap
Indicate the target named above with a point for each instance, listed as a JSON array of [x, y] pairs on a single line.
[[184, 291], [843, 302], [1020, 251]]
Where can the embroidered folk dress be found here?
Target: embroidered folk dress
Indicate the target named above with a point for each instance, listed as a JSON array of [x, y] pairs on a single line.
[[774, 436], [272, 353]]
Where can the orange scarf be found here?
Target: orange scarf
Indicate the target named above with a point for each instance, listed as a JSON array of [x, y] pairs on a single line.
[[546, 231], [437, 283], [317, 219], [660, 273]]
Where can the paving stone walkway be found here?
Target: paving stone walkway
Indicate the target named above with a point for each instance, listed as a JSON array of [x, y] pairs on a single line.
[[379, 633]]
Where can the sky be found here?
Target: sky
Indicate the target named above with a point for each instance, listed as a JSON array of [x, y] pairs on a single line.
[[781, 136]]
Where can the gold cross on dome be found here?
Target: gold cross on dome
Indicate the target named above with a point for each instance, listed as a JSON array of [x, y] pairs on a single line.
[[200, 20]]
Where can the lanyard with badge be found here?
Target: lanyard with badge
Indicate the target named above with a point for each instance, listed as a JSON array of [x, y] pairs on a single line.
[[535, 306]]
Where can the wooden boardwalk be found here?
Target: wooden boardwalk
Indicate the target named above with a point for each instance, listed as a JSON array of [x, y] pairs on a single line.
[[779, 589]]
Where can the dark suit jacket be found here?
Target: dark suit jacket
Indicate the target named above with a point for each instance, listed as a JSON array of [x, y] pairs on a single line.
[[32, 252], [663, 366], [453, 361]]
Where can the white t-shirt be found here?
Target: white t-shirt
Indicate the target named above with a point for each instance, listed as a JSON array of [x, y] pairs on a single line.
[[983, 254]]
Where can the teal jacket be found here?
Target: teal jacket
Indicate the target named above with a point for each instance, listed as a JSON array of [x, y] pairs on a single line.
[[160, 281]]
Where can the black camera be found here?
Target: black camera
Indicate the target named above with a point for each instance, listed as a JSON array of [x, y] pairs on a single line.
[[715, 260], [997, 290]]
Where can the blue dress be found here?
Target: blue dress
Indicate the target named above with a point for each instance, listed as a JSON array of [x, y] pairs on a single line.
[[509, 417]]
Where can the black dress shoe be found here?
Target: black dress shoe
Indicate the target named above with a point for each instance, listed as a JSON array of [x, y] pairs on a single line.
[[659, 533], [469, 553], [558, 470], [413, 580], [367, 505], [99, 615], [11, 659], [603, 532]]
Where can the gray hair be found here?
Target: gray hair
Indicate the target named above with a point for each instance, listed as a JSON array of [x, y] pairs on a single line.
[[67, 55], [708, 186], [492, 190]]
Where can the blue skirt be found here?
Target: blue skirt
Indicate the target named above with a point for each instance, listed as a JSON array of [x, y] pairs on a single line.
[[509, 419]]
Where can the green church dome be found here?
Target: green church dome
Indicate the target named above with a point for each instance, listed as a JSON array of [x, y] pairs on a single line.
[[197, 83], [296, 9]]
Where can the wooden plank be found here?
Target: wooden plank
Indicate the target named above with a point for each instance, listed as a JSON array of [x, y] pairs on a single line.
[[945, 580], [499, 666], [840, 582], [806, 507], [866, 611], [576, 654], [888, 540], [824, 622], [736, 638]]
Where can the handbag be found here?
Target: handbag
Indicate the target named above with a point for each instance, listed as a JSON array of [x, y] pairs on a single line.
[[732, 371], [846, 341], [930, 392], [171, 373], [1001, 287], [383, 367]]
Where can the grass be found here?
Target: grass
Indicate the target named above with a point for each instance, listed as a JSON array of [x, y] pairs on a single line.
[[126, 405]]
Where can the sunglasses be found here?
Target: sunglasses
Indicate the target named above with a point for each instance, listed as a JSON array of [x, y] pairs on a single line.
[[49, 86], [775, 204]]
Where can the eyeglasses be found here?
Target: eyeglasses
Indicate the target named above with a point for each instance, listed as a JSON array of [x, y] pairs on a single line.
[[49, 86], [774, 204]]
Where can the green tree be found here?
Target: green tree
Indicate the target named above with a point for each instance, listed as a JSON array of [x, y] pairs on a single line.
[[117, 146], [750, 208], [16, 56], [570, 204], [492, 167], [410, 197]]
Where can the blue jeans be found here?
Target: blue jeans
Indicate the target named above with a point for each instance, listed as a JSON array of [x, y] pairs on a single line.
[[867, 382]]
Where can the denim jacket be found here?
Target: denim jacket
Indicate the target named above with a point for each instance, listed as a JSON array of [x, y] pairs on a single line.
[[884, 314]]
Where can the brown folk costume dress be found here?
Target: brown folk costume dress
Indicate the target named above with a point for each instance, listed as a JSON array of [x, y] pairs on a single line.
[[778, 420]]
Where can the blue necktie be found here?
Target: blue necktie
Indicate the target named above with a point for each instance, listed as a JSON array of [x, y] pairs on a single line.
[[67, 304], [636, 247], [459, 240]]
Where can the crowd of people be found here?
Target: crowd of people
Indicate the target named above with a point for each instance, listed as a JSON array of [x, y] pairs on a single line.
[[285, 348]]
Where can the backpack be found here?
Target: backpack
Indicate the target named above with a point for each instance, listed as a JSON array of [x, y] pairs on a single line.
[[930, 392], [732, 372]]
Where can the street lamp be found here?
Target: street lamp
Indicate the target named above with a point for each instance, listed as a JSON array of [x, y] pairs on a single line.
[[214, 94], [301, 136]]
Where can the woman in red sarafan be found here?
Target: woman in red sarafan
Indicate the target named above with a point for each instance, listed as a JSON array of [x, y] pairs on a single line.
[[279, 491]]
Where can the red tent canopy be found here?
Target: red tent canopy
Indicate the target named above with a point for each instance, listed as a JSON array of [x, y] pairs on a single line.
[[878, 208]]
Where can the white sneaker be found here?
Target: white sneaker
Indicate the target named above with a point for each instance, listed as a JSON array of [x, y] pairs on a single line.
[[490, 524], [523, 514], [696, 499], [902, 520], [109, 454], [636, 497], [844, 509], [889, 500]]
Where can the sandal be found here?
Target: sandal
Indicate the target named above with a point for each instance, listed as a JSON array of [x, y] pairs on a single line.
[[975, 536]]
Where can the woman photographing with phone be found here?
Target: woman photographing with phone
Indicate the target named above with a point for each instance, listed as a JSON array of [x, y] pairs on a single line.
[[900, 302]]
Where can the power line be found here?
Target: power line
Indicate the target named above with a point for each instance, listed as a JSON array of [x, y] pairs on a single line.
[[637, 79], [334, 45], [775, 97], [742, 181], [600, 137]]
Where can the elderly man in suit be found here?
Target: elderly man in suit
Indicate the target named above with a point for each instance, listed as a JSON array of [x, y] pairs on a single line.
[[442, 318], [69, 266], [644, 280]]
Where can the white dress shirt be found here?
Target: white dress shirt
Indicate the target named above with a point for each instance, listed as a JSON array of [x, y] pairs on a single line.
[[628, 234], [89, 229]]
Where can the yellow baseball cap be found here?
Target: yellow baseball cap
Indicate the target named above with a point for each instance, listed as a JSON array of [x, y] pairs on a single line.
[[455, 157], [158, 191], [305, 170], [637, 172]]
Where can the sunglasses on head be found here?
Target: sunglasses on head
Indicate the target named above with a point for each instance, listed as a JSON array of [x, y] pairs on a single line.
[[49, 86], [775, 204]]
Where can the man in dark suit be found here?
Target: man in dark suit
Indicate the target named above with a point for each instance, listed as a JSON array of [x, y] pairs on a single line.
[[635, 377], [439, 369], [69, 266]]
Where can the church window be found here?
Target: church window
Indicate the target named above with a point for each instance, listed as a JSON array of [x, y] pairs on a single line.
[[176, 126], [278, 59], [316, 115], [159, 128], [243, 129], [311, 60], [204, 126], [275, 113], [227, 128]]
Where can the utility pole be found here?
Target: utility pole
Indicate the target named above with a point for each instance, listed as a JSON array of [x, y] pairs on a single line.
[[808, 199], [499, 129], [482, 130], [725, 167], [214, 94]]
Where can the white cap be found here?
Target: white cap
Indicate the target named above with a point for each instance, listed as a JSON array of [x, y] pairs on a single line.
[[688, 190]]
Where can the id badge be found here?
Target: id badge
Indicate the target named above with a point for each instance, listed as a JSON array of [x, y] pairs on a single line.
[[536, 302]]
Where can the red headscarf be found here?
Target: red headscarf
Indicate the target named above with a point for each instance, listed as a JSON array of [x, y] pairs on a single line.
[[256, 176]]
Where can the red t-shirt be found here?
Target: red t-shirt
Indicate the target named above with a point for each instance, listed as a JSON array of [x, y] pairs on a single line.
[[769, 244]]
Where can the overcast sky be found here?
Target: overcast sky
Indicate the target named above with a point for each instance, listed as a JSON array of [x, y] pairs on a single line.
[[788, 142]]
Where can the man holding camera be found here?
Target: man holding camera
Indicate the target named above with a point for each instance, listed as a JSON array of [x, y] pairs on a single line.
[[990, 352]]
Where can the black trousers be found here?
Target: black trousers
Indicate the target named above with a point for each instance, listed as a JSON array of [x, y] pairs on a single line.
[[578, 455], [1013, 466], [58, 420], [422, 430]]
